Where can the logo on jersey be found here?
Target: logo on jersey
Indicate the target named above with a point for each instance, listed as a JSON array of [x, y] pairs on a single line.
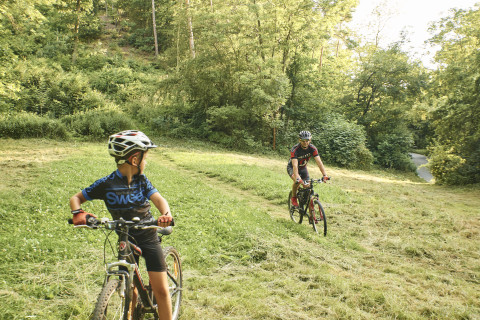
[[113, 198]]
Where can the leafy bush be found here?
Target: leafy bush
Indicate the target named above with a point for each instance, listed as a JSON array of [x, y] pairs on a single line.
[[342, 142], [452, 169], [98, 123], [110, 79], [29, 125], [392, 150], [49, 90], [93, 62]]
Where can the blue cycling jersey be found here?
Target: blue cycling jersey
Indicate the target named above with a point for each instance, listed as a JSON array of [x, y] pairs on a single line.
[[123, 200]]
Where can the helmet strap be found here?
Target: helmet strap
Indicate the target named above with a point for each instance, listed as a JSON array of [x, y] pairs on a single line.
[[140, 162]]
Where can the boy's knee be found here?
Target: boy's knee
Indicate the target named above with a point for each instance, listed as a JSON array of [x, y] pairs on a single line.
[[162, 293]]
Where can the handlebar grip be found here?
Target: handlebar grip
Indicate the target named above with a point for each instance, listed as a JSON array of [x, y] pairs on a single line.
[[90, 221]]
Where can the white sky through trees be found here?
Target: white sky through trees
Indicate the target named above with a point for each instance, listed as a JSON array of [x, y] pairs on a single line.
[[412, 16]]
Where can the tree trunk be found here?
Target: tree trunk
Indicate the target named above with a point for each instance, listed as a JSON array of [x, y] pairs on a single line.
[[154, 28], [190, 28], [274, 137], [77, 27]]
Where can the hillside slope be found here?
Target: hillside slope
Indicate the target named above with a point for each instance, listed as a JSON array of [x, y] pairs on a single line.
[[396, 248]]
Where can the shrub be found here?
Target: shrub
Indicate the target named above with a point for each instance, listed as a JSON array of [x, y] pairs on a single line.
[[342, 142], [49, 90], [29, 125], [450, 168], [110, 79], [392, 150], [98, 123]]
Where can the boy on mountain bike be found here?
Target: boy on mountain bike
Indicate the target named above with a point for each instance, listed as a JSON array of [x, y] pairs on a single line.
[[126, 193], [297, 165]]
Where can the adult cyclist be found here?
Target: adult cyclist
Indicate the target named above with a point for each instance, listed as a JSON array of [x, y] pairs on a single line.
[[297, 165]]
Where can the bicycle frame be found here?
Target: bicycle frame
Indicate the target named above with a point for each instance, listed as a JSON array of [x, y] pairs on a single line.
[[306, 194], [132, 275]]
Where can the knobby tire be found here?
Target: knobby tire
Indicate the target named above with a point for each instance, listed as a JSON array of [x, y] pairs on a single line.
[[295, 214], [174, 275], [110, 304], [319, 214]]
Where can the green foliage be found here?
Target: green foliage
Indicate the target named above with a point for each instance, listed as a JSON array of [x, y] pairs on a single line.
[[342, 143], [98, 123], [49, 90], [139, 27], [456, 117], [110, 79], [261, 72], [392, 150], [28, 125], [451, 169]]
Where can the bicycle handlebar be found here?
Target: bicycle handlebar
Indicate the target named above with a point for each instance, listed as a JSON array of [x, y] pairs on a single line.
[[316, 180], [93, 223]]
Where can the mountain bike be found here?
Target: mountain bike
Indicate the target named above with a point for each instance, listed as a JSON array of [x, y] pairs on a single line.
[[124, 294], [309, 206]]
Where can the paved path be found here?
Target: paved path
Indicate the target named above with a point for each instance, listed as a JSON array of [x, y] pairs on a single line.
[[422, 172]]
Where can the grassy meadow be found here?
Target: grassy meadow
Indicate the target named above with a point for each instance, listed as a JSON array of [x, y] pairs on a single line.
[[397, 248]]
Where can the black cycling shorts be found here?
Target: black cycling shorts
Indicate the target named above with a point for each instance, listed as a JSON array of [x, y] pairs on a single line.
[[302, 171], [153, 254]]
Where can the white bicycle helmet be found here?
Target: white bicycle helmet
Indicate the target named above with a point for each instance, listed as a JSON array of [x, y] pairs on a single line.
[[305, 135], [121, 143]]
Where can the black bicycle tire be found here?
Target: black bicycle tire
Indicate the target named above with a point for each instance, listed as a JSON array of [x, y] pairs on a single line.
[[292, 210], [105, 297], [321, 219], [175, 279]]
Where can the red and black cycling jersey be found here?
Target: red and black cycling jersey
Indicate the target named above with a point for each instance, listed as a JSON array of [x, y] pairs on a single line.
[[302, 155], [123, 200]]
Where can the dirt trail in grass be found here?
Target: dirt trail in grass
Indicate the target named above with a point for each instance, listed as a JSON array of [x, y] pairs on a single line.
[[253, 200]]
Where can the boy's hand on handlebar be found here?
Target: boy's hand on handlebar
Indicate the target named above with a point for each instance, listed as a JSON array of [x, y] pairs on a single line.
[[81, 217], [165, 220], [325, 178]]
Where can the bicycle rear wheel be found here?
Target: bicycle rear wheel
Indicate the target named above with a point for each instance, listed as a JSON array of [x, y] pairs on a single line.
[[295, 214], [111, 302], [319, 218], [174, 274]]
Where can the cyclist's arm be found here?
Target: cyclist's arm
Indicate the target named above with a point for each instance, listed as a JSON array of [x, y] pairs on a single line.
[[77, 200], [163, 207], [296, 175], [320, 165]]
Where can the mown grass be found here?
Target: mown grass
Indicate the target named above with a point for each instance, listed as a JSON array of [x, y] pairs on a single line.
[[397, 248]]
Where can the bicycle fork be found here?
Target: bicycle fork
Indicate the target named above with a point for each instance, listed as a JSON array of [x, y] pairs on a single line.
[[114, 269]]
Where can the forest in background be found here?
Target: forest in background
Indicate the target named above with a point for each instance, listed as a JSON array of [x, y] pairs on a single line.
[[245, 74]]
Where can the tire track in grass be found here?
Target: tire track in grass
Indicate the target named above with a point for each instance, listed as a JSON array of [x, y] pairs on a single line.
[[253, 200], [361, 274]]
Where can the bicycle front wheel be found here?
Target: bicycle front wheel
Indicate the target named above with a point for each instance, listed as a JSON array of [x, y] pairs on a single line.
[[174, 274], [295, 214], [318, 216], [111, 302]]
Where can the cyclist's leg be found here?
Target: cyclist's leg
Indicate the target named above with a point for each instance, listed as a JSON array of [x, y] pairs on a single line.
[[159, 283], [303, 172], [156, 267], [295, 184]]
